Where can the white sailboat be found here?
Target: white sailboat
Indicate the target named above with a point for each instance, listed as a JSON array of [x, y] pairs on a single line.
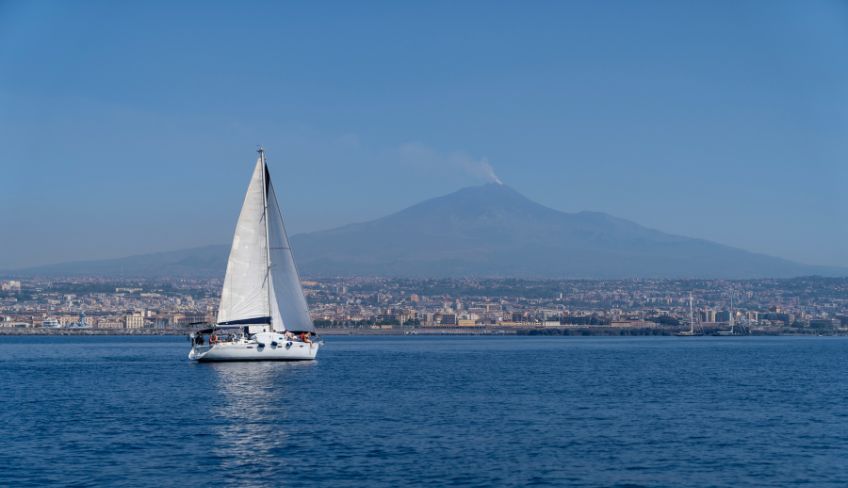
[[263, 313]]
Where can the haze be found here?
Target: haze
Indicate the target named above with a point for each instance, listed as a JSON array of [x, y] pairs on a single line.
[[130, 127]]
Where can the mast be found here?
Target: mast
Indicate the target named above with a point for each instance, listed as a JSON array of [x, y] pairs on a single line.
[[261, 152], [691, 316], [731, 312]]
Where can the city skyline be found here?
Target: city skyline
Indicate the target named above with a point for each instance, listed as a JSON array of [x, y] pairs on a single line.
[[129, 129], [467, 306]]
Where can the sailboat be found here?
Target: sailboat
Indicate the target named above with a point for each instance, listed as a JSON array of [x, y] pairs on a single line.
[[263, 313]]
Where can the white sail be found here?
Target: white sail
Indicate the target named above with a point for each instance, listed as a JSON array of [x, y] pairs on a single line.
[[289, 309], [246, 284], [261, 288]]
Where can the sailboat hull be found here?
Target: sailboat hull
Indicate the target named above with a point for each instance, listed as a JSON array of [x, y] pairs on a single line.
[[294, 351]]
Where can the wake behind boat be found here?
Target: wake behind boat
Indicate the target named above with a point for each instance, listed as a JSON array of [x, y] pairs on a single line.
[[263, 313]]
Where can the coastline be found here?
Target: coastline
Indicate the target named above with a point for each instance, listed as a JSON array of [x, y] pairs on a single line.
[[441, 331]]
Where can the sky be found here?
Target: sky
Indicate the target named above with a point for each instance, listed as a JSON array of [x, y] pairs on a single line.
[[131, 127]]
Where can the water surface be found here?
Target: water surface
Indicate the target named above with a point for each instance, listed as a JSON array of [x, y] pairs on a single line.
[[428, 411]]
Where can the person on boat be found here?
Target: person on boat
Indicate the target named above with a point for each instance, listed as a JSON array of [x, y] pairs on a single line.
[[304, 337]]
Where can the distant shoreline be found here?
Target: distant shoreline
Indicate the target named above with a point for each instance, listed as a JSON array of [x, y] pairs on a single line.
[[446, 331]]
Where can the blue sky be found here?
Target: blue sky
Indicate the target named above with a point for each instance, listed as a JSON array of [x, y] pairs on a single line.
[[128, 127]]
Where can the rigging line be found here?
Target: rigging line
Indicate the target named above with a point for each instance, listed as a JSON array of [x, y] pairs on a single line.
[[285, 233]]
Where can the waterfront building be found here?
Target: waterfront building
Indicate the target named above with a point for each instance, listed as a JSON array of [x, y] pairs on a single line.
[[134, 320], [447, 319]]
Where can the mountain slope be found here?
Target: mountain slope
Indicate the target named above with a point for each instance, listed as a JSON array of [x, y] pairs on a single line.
[[492, 230], [198, 262], [489, 230]]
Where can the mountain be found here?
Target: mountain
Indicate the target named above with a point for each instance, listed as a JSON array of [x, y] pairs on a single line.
[[489, 230], [198, 262], [492, 230]]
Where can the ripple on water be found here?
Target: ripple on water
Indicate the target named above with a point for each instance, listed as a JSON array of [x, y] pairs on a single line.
[[423, 411]]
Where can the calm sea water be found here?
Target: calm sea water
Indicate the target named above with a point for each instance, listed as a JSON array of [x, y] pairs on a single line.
[[418, 411]]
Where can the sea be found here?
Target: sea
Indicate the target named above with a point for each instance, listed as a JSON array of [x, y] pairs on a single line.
[[428, 411]]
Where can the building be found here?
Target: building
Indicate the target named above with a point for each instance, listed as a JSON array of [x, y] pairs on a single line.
[[134, 320], [14, 324], [447, 319], [11, 285]]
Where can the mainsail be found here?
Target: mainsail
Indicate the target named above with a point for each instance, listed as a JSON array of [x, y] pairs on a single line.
[[245, 292], [262, 283]]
